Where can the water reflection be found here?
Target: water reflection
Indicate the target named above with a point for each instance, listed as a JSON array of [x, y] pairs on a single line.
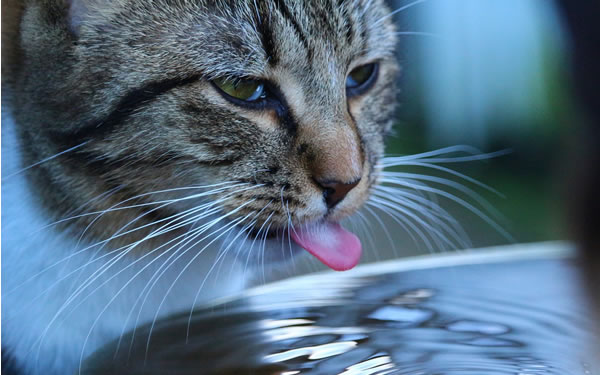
[[518, 317]]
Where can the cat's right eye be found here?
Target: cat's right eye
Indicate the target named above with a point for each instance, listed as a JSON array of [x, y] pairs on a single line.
[[361, 79], [248, 90]]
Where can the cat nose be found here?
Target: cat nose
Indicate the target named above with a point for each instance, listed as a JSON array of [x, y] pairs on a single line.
[[335, 191]]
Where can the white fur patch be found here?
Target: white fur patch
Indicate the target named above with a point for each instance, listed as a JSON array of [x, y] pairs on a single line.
[[42, 268]]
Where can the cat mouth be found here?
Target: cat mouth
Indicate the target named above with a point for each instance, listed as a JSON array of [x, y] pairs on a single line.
[[329, 242]]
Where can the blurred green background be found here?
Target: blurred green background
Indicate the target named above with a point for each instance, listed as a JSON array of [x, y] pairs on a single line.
[[490, 74]]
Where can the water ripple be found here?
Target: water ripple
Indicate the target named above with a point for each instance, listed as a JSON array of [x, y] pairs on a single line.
[[518, 318]]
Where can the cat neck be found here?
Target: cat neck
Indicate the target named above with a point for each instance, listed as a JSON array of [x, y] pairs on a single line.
[[68, 300]]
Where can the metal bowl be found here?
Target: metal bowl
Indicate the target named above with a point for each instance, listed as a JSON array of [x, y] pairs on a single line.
[[506, 310]]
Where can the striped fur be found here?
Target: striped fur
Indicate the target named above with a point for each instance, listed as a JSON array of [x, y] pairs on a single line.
[[126, 86]]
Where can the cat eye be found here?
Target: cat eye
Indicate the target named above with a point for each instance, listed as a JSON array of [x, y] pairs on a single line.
[[248, 90], [361, 79]]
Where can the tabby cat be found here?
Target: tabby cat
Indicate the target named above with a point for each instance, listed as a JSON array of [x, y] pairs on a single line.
[[156, 153]]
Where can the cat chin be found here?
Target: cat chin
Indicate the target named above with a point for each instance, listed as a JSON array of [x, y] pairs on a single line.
[[280, 251], [256, 251]]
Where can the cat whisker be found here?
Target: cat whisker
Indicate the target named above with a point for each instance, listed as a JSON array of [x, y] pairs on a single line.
[[98, 273], [449, 171], [406, 224], [254, 239], [419, 204], [156, 233], [203, 228], [436, 219], [383, 227], [119, 292], [441, 151], [193, 233], [365, 228], [290, 227], [105, 241], [79, 252], [71, 149], [170, 226], [223, 247], [401, 221], [250, 228], [249, 231], [264, 243], [413, 177], [161, 231], [225, 229], [283, 207], [429, 157], [105, 267], [164, 268], [455, 199], [118, 207], [220, 257], [433, 232], [399, 10], [366, 8], [435, 212], [99, 198]]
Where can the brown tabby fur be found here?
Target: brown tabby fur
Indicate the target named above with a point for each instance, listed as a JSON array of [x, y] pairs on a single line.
[[132, 81]]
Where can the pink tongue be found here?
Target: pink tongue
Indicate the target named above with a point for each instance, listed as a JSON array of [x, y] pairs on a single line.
[[333, 245]]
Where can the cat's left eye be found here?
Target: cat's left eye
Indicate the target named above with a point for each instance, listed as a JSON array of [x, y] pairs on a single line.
[[248, 90], [361, 78]]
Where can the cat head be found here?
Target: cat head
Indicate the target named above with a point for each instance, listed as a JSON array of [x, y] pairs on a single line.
[[266, 114]]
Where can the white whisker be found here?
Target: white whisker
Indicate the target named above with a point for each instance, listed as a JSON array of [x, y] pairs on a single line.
[[455, 199], [442, 151], [254, 240], [401, 9], [431, 215], [452, 172], [154, 234], [230, 225], [433, 232], [219, 257], [401, 220], [118, 207], [403, 178], [249, 231], [95, 275], [383, 227], [45, 160], [168, 263], [365, 228], [290, 227], [392, 161]]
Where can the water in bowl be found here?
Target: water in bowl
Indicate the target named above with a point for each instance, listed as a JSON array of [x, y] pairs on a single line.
[[487, 315]]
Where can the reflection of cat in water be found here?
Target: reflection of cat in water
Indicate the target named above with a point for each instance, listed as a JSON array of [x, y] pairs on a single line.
[[153, 148]]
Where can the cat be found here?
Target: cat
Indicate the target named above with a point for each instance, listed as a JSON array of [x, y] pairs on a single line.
[[157, 153]]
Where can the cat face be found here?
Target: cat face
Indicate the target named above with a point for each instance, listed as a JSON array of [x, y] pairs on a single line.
[[263, 115]]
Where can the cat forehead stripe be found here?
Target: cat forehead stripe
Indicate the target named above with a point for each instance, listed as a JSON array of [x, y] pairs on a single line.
[[285, 12], [126, 106]]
